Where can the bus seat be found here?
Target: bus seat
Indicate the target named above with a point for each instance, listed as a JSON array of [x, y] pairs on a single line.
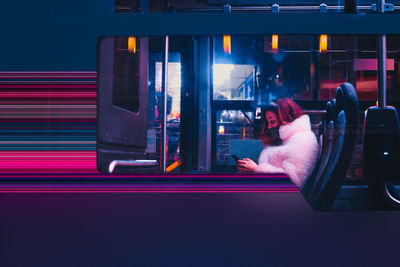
[[314, 180], [321, 136], [382, 154], [351, 108], [329, 174], [330, 108], [339, 102], [332, 177], [324, 153]]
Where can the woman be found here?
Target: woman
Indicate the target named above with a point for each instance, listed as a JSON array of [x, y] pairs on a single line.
[[290, 145]]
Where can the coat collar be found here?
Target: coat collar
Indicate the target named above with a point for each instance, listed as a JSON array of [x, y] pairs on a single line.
[[301, 124]]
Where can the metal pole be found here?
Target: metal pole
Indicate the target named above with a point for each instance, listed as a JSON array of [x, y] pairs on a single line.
[[164, 108], [380, 5], [337, 8]]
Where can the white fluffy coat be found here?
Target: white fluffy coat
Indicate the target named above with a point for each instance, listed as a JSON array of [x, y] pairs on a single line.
[[297, 154]]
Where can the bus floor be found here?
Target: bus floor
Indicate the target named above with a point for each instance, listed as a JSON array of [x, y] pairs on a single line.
[[189, 229]]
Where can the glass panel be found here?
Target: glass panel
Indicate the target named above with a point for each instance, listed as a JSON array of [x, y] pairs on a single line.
[[233, 82], [232, 124], [354, 59], [332, 74], [393, 83], [126, 74], [174, 89], [173, 103], [262, 67]]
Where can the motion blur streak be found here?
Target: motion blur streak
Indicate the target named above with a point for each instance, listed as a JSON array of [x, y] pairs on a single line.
[[48, 143]]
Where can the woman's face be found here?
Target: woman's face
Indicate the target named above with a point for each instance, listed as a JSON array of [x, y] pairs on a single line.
[[272, 119]]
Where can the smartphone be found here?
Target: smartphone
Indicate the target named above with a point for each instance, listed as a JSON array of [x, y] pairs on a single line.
[[235, 157]]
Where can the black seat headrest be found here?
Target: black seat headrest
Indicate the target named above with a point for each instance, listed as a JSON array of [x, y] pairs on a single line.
[[330, 110], [340, 101], [346, 99]]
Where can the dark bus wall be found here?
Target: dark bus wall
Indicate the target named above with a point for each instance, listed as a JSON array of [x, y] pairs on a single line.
[[34, 36]]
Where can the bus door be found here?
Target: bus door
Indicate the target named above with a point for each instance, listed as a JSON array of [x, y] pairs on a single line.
[[122, 104], [140, 98]]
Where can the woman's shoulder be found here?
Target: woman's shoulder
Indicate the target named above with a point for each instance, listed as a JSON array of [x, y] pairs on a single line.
[[300, 125], [304, 119]]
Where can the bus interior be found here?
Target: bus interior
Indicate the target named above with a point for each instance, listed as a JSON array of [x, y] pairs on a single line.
[[179, 104]]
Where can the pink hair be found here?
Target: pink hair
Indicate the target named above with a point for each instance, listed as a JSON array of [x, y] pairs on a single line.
[[286, 110]]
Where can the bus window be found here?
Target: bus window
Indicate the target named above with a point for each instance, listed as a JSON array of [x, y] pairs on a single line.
[[255, 68], [173, 104], [126, 75], [233, 81], [231, 124], [333, 66], [213, 97], [354, 58]]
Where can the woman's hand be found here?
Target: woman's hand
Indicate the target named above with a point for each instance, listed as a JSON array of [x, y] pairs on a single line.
[[246, 165]]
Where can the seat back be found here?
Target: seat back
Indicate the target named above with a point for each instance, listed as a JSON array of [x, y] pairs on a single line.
[[351, 109], [326, 139], [337, 151], [314, 181], [381, 151], [332, 175]]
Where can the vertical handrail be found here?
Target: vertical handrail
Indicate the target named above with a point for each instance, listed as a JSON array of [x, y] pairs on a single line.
[[380, 4], [164, 108]]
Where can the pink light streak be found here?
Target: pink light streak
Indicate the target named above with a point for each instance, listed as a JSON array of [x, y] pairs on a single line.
[[42, 100], [27, 94], [146, 189]]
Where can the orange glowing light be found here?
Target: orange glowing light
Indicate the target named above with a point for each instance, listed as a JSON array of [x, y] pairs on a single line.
[[227, 44], [173, 166], [175, 114], [221, 129], [323, 43], [275, 42], [132, 44]]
